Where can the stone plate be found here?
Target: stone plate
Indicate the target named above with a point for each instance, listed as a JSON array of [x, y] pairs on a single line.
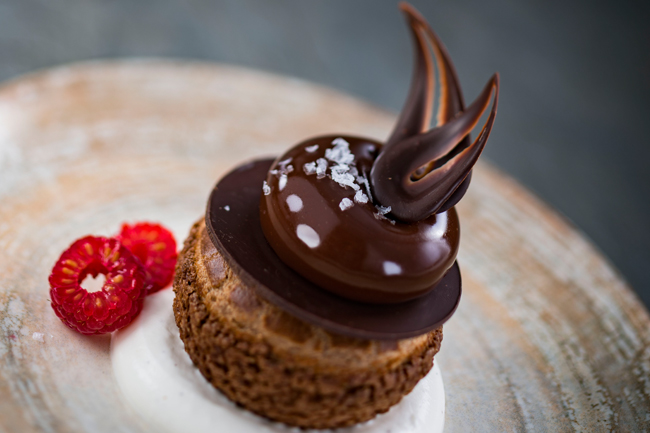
[[547, 336]]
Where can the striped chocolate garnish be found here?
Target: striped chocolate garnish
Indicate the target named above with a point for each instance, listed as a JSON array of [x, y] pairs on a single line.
[[422, 171]]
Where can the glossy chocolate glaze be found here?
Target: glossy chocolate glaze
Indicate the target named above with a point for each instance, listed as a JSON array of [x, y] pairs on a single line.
[[233, 224], [419, 171], [354, 253]]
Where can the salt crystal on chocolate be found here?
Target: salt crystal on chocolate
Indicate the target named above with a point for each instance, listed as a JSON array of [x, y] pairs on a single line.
[[340, 153], [309, 168], [284, 168], [321, 168], [363, 180], [381, 211], [346, 203], [282, 182], [341, 176], [360, 197]]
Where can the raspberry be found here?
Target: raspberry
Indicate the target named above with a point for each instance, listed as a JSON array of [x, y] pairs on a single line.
[[155, 246], [116, 304]]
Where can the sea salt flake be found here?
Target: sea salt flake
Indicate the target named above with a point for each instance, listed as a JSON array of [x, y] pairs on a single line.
[[226, 208], [340, 141], [383, 218], [309, 168], [346, 203], [381, 211], [341, 176], [360, 197], [266, 188], [363, 180], [38, 336], [284, 162], [340, 153], [284, 168], [312, 149], [321, 168], [282, 182]]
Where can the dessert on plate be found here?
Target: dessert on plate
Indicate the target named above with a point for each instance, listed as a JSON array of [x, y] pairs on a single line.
[[314, 291]]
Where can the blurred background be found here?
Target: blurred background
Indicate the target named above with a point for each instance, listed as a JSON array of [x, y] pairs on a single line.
[[575, 78]]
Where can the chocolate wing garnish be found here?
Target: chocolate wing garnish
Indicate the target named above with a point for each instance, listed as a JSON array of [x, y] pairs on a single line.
[[420, 171]]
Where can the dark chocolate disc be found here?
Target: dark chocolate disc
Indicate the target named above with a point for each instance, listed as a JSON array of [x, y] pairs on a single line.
[[233, 223]]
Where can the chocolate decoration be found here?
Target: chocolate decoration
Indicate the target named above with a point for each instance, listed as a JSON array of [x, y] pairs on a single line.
[[457, 195], [419, 170], [238, 236], [326, 228]]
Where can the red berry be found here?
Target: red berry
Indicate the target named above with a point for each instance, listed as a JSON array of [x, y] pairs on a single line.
[[116, 304], [155, 246]]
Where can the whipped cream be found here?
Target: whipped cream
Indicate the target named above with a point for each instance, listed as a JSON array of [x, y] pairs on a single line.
[[160, 383]]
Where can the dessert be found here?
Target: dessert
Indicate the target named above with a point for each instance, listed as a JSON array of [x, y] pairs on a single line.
[[314, 291]]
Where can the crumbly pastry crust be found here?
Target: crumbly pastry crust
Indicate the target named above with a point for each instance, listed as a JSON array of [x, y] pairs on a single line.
[[278, 366]]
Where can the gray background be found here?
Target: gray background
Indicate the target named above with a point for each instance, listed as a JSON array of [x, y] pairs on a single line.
[[575, 75]]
